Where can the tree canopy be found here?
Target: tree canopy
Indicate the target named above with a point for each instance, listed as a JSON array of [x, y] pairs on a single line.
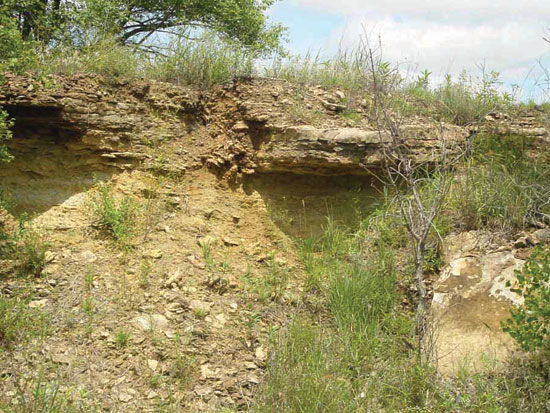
[[135, 21]]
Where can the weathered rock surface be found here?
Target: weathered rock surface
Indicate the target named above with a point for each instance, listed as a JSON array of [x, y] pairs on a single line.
[[471, 298], [348, 151]]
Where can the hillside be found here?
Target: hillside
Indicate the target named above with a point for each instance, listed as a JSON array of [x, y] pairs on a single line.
[[177, 237]]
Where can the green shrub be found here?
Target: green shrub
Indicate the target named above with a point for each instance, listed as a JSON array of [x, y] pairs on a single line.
[[5, 134], [117, 217], [529, 323]]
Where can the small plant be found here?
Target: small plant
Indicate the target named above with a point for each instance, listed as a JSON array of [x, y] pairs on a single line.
[[18, 322], [529, 323], [89, 277], [183, 364], [42, 396], [122, 338], [31, 253], [207, 255], [200, 312], [145, 274], [88, 306], [118, 218]]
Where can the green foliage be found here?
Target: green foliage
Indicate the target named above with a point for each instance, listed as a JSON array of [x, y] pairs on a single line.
[[5, 134], [240, 20], [16, 54], [44, 396], [117, 218], [272, 285], [334, 364], [206, 61], [462, 101], [122, 338], [347, 70], [502, 186], [31, 252], [18, 322], [106, 56], [529, 323]]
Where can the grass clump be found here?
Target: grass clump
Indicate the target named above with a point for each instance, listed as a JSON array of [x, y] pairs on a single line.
[[117, 217], [270, 286], [335, 363], [31, 252], [204, 62], [18, 322], [347, 70], [41, 396], [463, 100], [503, 186], [122, 338], [356, 352]]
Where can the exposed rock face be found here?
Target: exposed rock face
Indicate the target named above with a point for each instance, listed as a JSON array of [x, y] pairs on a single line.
[[82, 127], [347, 151], [471, 298], [64, 136]]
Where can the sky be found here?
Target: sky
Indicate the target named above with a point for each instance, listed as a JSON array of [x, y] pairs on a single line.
[[437, 35]]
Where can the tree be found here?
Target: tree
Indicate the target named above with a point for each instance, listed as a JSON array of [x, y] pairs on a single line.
[[407, 175], [136, 21]]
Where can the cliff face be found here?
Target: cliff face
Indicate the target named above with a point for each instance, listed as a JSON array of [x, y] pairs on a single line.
[[76, 127], [221, 180]]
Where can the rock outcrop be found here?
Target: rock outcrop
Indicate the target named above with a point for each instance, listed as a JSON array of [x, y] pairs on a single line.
[[471, 298]]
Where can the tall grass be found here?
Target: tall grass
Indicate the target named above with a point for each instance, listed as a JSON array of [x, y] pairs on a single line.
[[355, 352], [203, 62], [348, 69], [503, 185]]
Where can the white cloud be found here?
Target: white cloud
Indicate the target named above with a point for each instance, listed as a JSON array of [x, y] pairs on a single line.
[[445, 36]]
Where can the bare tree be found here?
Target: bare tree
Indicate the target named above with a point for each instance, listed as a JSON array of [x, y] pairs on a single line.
[[407, 174]]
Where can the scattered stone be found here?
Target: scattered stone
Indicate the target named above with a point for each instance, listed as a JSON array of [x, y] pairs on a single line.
[[154, 254], [170, 333], [334, 107], [230, 242], [253, 379], [38, 303], [152, 322], [89, 257], [61, 358], [203, 390], [153, 364], [260, 354], [200, 306], [49, 257], [240, 126], [206, 241], [173, 279], [250, 365], [541, 235], [125, 397], [340, 95]]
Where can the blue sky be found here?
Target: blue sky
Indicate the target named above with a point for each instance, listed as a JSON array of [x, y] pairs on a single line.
[[441, 36]]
